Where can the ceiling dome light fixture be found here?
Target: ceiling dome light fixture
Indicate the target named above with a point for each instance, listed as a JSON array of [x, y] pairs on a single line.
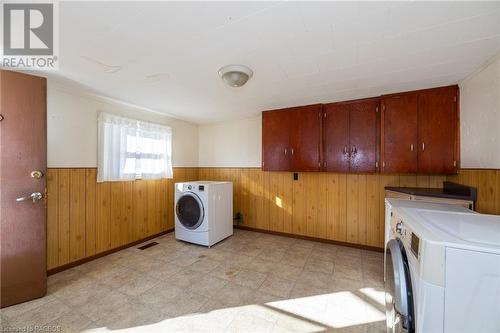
[[235, 75]]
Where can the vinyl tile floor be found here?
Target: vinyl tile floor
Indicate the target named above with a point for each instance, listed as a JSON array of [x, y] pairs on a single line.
[[250, 282]]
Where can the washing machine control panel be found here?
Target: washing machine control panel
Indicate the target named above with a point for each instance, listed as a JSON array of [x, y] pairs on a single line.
[[403, 231], [191, 187]]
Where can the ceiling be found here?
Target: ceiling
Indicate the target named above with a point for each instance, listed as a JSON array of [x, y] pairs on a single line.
[[165, 55]]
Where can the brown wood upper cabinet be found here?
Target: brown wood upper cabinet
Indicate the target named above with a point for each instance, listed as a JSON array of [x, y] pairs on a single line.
[[415, 131], [438, 130], [350, 136], [420, 131], [275, 140], [291, 139], [399, 133]]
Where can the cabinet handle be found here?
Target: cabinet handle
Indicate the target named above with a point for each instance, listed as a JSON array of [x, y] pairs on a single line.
[[292, 151], [354, 150], [285, 151], [411, 147], [345, 150], [423, 146]]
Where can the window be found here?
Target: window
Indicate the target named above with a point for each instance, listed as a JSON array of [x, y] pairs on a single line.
[[130, 149]]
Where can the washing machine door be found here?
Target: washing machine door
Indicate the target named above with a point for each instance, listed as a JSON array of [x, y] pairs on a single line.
[[189, 210], [398, 293]]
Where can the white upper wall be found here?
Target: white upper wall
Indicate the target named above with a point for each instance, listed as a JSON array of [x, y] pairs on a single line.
[[72, 128], [238, 143], [480, 118], [231, 144]]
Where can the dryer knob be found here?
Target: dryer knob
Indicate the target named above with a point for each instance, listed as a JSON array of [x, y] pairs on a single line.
[[399, 228]]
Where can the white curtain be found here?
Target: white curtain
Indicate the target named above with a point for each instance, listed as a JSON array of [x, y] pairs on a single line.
[[155, 142], [130, 149]]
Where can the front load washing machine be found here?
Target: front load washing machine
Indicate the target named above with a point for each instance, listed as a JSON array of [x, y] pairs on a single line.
[[203, 211], [442, 269]]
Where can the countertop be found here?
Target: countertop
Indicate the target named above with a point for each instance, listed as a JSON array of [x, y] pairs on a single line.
[[450, 191]]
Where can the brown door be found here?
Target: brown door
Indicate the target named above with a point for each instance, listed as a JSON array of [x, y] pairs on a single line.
[[305, 136], [336, 137], [275, 140], [399, 133], [363, 135], [437, 125], [23, 149]]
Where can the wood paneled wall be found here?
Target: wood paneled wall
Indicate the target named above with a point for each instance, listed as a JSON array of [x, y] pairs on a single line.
[[341, 207], [487, 183], [85, 218]]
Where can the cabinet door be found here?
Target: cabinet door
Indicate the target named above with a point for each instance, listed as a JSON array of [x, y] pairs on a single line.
[[437, 128], [363, 135], [275, 141], [399, 133], [336, 137], [305, 136]]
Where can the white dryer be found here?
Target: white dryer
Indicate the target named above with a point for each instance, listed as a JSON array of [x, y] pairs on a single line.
[[442, 269], [203, 211]]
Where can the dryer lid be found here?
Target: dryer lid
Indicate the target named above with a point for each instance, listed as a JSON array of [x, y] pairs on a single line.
[[473, 230]]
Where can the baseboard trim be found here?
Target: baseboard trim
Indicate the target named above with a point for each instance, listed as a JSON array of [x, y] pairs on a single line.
[[478, 169], [321, 240], [105, 253]]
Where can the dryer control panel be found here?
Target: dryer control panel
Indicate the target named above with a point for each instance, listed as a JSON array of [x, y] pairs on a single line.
[[402, 230]]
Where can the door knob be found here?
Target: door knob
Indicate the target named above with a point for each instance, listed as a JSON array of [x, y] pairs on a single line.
[[35, 196]]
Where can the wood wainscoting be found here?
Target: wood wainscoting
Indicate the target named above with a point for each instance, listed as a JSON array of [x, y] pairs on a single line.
[[487, 182], [85, 218], [347, 208]]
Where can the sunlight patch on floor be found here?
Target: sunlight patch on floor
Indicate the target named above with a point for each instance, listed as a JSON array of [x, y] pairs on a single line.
[[306, 314], [374, 294], [336, 310]]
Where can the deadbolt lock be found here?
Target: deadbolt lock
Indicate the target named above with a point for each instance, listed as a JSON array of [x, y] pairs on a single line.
[[37, 174]]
